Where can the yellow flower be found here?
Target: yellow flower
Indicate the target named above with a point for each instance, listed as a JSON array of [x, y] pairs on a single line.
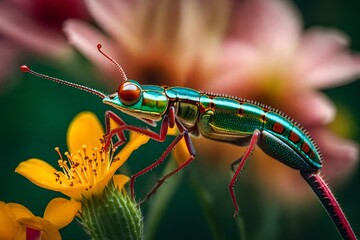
[[16, 220], [87, 169]]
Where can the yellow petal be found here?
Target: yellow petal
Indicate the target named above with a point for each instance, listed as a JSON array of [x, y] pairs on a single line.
[[120, 180], [181, 153], [8, 225], [136, 140], [85, 129], [75, 192], [20, 211], [60, 211], [103, 182], [173, 131], [38, 172], [41, 224], [42, 174], [21, 234]]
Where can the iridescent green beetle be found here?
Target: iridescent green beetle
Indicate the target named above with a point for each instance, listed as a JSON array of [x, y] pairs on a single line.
[[217, 117]]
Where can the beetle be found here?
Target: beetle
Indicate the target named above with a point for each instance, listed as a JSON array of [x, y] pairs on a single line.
[[218, 117]]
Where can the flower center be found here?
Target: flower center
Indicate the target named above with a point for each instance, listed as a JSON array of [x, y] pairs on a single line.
[[83, 168]]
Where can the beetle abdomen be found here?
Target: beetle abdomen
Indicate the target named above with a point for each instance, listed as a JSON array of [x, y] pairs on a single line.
[[231, 116]]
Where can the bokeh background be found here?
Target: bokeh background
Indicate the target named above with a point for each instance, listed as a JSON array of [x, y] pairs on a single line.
[[34, 119]]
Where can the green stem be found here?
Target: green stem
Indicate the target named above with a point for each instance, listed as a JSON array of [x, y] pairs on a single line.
[[112, 215], [207, 204]]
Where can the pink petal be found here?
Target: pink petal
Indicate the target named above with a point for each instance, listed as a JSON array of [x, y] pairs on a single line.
[[237, 65], [324, 61], [24, 31], [85, 38], [336, 71], [9, 56], [318, 44], [273, 26], [310, 108], [113, 16], [340, 156]]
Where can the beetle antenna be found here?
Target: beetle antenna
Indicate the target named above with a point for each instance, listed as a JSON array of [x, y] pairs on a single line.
[[26, 69], [99, 46]]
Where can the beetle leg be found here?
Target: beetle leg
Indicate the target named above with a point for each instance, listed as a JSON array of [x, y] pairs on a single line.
[[330, 203], [160, 137], [191, 151], [242, 161], [109, 117], [119, 130], [236, 162]]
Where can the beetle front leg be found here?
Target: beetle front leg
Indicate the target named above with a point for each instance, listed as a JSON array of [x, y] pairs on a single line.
[[109, 115], [160, 137], [119, 131]]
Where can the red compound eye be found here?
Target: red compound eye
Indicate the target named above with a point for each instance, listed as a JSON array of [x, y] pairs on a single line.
[[129, 93]]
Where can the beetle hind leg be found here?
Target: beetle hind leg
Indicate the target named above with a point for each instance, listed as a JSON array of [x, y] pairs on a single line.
[[330, 203], [236, 163]]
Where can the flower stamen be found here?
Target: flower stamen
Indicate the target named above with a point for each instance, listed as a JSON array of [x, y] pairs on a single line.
[[83, 168], [57, 149]]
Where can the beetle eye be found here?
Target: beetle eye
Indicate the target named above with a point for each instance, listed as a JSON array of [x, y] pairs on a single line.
[[129, 93]]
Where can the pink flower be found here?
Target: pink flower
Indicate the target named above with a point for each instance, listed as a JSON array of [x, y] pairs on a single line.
[[9, 55], [267, 57], [35, 26], [158, 42], [253, 49]]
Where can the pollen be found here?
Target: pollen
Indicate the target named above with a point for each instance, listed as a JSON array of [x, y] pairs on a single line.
[[86, 167]]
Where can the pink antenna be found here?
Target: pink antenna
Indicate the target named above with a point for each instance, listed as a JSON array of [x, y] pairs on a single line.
[[26, 69], [99, 46]]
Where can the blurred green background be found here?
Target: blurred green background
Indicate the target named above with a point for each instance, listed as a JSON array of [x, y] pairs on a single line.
[[34, 119]]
